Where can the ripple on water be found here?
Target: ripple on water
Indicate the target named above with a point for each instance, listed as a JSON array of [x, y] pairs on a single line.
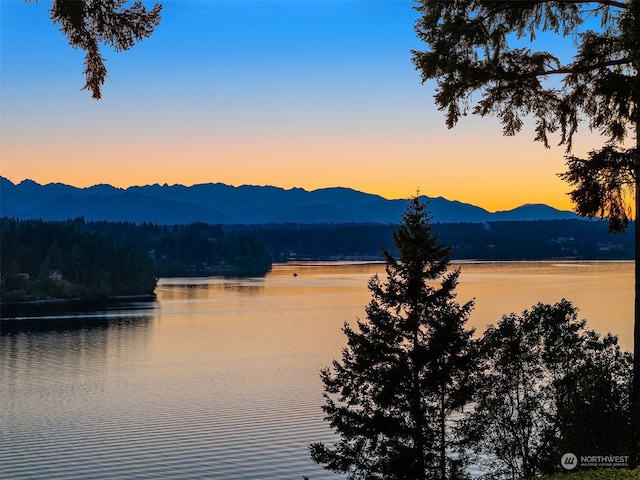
[[222, 382], [102, 404]]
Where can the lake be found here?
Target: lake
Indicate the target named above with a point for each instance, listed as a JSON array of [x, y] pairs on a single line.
[[218, 378]]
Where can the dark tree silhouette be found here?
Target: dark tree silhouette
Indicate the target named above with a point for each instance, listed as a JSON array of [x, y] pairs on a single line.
[[548, 386], [481, 54], [101, 259], [404, 370], [84, 263], [90, 23]]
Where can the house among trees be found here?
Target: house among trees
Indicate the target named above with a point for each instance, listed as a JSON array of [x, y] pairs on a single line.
[[55, 275]]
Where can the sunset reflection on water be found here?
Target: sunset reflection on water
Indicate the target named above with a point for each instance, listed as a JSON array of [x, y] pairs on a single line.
[[219, 378]]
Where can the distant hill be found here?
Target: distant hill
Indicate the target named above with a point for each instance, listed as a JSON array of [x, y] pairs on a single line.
[[217, 203]]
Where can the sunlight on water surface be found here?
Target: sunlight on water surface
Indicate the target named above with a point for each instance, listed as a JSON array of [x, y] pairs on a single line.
[[219, 377]]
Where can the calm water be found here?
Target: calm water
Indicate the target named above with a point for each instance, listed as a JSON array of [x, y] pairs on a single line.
[[218, 379]]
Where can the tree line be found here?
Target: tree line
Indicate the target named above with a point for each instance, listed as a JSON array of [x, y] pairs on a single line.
[[504, 240], [194, 249], [42, 260], [417, 395], [78, 259]]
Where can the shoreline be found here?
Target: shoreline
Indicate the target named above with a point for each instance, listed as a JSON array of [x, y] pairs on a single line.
[[30, 305]]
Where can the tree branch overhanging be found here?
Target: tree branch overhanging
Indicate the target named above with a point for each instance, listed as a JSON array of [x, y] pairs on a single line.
[[610, 3], [584, 69], [470, 53], [90, 24]]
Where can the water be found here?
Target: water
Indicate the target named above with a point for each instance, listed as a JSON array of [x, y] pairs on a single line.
[[218, 379]]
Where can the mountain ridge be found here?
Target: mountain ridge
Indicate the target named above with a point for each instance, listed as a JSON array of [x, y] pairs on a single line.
[[219, 203]]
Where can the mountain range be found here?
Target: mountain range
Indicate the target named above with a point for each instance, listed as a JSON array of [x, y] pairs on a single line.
[[217, 203]]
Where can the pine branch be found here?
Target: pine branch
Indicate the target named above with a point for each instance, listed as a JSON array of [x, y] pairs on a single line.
[[583, 69], [611, 3]]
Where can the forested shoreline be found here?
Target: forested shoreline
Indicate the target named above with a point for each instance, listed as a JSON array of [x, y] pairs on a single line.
[[45, 260], [505, 240], [81, 260]]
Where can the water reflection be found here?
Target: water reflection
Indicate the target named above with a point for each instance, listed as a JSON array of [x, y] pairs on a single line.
[[602, 291], [206, 287], [219, 378], [78, 308], [63, 323]]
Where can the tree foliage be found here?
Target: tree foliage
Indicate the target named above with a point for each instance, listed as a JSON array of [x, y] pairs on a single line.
[[67, 260], [89, 24], [548, 386], [101, 259], [404, 370], [604, 185], [482, 54], [203, 249]]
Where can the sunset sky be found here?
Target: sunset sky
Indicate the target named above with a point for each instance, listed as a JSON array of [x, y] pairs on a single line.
[[291, 93]]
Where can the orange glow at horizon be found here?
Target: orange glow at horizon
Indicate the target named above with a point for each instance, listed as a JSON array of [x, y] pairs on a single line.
[[503, 188], [330, 99], [467, 164]]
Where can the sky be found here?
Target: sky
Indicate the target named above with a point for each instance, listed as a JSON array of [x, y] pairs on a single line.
[[290, 93]]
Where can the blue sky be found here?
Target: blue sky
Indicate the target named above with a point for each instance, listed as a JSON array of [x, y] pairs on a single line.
[[292, 93]]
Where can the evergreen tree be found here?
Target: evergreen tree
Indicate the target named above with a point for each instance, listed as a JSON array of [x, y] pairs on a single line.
[[88, 24], [483, 55], [404, 370]]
